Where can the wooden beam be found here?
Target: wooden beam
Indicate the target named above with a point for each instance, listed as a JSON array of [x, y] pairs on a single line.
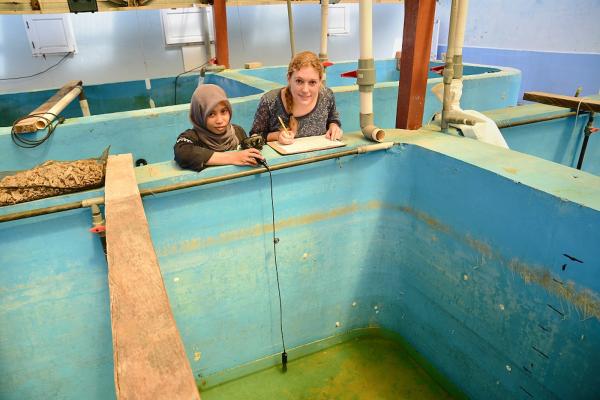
[[221, 40], [28, 125], [414, 67], [149, 357], [584, 104]]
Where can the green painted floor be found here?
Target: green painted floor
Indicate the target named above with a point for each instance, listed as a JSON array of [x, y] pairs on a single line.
[[362, 368]]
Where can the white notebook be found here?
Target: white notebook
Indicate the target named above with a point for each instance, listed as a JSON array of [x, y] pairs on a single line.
[[304, 144]]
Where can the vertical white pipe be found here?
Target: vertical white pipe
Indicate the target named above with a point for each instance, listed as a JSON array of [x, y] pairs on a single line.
[[448, 66], [461, 24], [324, 17], [366, 73], [452, 30], [365, 10], [291, 26], [206, 33], [366, 102]]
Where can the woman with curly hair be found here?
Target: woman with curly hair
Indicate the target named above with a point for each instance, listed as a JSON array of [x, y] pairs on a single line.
[[305, 105]]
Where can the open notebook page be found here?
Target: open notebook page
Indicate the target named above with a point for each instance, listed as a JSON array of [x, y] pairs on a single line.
[[304, 144]]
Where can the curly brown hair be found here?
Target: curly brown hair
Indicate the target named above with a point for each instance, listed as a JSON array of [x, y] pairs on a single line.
[[300, 60]]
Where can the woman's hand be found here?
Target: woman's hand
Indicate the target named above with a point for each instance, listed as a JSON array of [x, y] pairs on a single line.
[[286, 137], [247, 157], [242, 157], [334, 132]]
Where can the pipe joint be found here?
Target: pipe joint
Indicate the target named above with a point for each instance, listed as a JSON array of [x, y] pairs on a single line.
[[369, 130], [458, 66], [462, 118], [365, 75], [374, 147], [448, 73], [98, 222], [98, 225]]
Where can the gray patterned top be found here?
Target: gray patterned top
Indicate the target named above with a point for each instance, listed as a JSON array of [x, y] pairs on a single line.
[[314, 123]]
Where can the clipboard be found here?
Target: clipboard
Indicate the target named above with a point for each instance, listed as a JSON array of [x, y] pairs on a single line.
[[304, 144]]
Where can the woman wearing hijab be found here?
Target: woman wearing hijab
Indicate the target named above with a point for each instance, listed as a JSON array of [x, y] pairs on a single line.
[[212, 136]]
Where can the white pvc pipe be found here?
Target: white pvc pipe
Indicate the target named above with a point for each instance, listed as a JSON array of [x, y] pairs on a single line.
[[448, 66], [374, 147], [452, 30], [366, 102], [324, 17], [206, 33], [291, 28], [60, 105], [461, 23], [365, 11], [366, 73]]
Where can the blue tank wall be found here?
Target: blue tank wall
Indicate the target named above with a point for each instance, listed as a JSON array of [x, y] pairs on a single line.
[[559, 140], [133, 95], [151, 133], [121, 96], [56, 338], [449, 244], [543, 71], [385, 71]]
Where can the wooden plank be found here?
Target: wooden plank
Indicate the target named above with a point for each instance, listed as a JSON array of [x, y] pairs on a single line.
[[149, 357], [28, 124], [584, 104], [414, 68]]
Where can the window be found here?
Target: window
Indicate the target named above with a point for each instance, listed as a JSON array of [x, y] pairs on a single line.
[[187, 25], [338, 22], [50, 34]]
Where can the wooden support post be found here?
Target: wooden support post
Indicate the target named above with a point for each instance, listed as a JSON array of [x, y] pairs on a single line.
[[414, 68], [221, 41], [149, 357]]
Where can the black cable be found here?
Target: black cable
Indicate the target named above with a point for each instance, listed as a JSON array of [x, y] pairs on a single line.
[[38, 73], [587, 132], [25, 143], [275, 241], [185, 72]]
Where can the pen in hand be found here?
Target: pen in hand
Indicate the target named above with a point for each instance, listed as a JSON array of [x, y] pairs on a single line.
[[288, 138]]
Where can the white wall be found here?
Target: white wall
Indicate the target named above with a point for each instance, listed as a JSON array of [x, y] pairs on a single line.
[[117, 46], [554, 43], [129, 45], [541, 25]]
